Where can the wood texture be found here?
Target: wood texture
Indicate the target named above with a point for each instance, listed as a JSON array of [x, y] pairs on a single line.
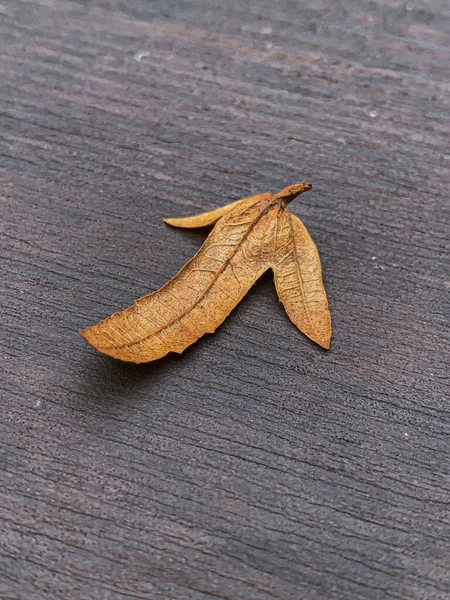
[[254, 466]]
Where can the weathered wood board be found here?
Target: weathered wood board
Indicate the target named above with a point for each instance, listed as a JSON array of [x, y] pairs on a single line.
[[255, 466]]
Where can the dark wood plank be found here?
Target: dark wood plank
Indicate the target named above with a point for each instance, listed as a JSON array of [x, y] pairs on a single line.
[[254, 466]]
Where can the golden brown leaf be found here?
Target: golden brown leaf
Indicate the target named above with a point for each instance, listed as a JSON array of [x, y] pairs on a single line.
[[250, 236], [210, 217], [298, 279]]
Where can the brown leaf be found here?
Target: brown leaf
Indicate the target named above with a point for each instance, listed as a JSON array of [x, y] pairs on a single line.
[[298, 279], [250, 236], [212, 216]]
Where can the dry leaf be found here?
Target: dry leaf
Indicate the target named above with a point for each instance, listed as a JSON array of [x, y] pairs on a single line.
[[250, 236]]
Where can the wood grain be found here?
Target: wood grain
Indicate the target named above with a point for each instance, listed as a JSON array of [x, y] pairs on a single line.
[[254, 466]]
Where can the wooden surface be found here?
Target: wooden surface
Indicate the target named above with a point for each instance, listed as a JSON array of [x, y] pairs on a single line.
[[255, 466]]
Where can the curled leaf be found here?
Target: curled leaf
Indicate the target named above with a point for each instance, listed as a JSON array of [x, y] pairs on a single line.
[[250, 236], [210, 217]]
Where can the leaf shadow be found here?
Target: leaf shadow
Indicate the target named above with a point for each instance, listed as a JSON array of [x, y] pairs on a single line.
[[119, 386]]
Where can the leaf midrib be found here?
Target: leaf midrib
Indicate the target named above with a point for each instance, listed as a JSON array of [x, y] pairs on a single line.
[[208, 287]]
